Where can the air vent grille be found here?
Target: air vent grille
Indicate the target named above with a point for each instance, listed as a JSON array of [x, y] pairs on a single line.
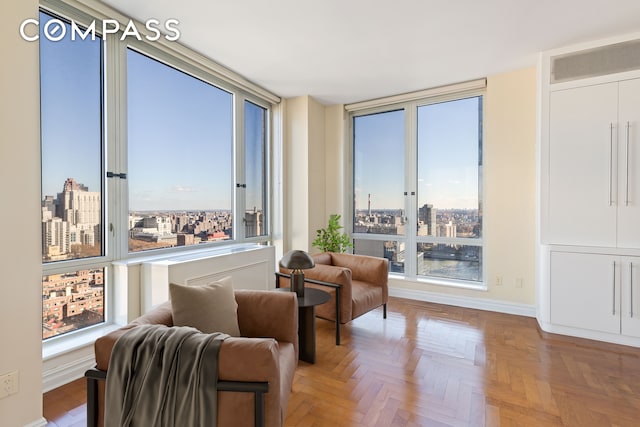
[[615, 58]]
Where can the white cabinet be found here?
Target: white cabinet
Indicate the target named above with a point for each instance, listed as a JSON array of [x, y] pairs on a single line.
[[589, 176], [593, 190], [583, 292], [598, 292], [628, 235]]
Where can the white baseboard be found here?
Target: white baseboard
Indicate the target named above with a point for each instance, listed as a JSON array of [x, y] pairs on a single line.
[[590, 335], [38, 423], [468, 302], [64, 374]]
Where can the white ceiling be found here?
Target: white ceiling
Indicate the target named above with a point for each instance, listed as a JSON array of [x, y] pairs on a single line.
[[343, 51]]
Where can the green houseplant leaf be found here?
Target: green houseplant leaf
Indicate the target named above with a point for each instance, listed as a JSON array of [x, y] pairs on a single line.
[[331, 239]]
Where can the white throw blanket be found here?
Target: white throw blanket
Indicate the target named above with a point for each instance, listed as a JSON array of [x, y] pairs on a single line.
[[163, 376]]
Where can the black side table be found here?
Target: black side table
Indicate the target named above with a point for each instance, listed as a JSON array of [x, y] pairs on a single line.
[[307, 321]]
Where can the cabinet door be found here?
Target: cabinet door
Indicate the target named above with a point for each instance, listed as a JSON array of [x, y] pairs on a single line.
[[630, 302], [629, 165], [582, 166], [585, 291]]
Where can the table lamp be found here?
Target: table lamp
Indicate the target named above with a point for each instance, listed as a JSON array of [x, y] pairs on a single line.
[[297, 261]]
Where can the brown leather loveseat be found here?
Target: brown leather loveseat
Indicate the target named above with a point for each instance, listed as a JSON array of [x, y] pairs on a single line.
[[249, 359]]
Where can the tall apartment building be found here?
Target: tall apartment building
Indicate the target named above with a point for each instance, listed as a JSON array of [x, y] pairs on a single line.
[[447, 230], [157, 224], [427, 214], [73, 217], [55, 237], [253, 223]]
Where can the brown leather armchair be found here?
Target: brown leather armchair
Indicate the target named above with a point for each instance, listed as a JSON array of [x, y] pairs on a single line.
[[358, 283], [255, 373]]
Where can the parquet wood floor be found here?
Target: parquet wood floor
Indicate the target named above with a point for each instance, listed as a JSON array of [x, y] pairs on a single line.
[[436, 365]]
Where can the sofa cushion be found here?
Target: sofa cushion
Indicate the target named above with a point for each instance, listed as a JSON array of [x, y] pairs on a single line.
[[208, 308]]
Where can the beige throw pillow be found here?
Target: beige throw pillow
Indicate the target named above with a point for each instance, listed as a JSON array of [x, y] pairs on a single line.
[[208, 308]]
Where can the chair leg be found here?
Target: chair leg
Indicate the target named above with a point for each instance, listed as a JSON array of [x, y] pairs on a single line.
[[259, 409], [92, 406], [338, 316], [384, 311]]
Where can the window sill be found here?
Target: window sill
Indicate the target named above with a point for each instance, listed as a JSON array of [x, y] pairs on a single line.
[[61, 345], [187, 253], [448, 283]]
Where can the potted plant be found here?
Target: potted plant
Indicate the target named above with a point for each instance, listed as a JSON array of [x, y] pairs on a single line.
[[331, 239]]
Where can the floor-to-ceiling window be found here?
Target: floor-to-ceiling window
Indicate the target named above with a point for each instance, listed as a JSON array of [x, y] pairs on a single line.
[[144, 153], [180, 157], [379, 223], [256, 119], [74, 254], [449, 184], [417, 186]]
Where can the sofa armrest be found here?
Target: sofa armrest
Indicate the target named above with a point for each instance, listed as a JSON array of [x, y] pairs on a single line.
[[261, 354], [268, 314], [252, 360], [333, 274]]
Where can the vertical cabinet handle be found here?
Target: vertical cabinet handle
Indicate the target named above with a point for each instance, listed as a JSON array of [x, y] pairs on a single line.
[[626, 196], [631, 289], [610, 164], [613, 311]]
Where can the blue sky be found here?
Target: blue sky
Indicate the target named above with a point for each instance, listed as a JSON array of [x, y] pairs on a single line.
[[448, 154], [447, 157], [71, 110], [379, 160], [180, 139]]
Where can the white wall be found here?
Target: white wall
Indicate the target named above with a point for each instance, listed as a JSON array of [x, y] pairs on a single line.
[[295, 174], [20, 253], [317, 169], [510, 184], [337, 188], [303, 171]]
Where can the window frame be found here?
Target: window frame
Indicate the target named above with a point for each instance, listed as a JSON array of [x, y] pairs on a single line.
[[238, 151], [241, 167], [107, 211], [165, 59], [115, 197], [410, 104]]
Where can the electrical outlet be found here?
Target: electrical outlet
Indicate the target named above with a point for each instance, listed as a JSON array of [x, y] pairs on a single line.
[[8, 384], [498, 280], [519, 282]]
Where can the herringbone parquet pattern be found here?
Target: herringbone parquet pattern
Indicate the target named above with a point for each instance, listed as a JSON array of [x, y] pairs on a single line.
[[434, 365]]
